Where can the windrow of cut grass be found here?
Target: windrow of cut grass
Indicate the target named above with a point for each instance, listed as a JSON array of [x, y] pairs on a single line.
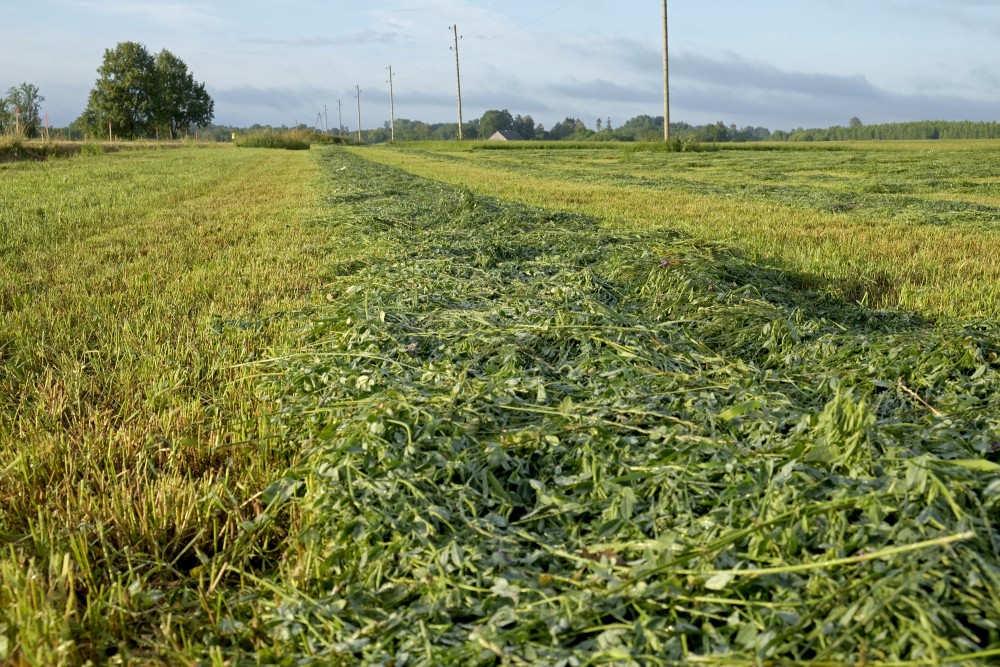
[[132, 447], [891, 227], [535, 439]]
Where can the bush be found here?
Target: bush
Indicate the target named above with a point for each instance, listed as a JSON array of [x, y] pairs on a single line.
[[293, 140]]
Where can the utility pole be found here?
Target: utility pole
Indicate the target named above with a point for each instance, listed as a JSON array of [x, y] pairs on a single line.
[[392, 110], [326, 120], [340, 119], [359, 112], [458, 75], [666, 78]]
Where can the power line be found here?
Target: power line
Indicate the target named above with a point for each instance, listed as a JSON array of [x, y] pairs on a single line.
[[427, 64]]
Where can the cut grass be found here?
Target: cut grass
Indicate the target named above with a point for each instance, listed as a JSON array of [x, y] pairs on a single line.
[[868, 223], [535, 439], [131, 449], [512, 435]]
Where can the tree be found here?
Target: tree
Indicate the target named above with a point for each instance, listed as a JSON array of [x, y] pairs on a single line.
[[123, 94], [6, 118], [525, 126], [494, 121], [179, 102], [139, 94], [856, 122], [26, 102], [567, 128]]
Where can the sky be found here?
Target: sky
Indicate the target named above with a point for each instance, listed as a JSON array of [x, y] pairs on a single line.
[[780, 64]]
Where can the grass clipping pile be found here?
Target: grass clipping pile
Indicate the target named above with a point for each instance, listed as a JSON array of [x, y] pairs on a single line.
[[533, 440]]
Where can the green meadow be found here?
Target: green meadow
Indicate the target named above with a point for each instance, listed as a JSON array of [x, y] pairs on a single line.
[[443, 405]]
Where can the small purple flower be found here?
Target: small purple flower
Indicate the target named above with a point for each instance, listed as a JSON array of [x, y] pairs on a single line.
[[411, 348], [665, 263]]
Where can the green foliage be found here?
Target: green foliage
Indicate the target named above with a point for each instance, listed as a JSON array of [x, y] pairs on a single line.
[[123, 95], [141, 95], [920, 130], [494, 121], [295, 140], [179, 102], [22, 110], [525, 126], [6, 118], [570, 128]]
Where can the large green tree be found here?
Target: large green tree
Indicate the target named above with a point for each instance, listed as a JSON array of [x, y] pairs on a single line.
[[123, 95], [142, 95], [179, 102], [525, 126], [25, 102], [493, 121]]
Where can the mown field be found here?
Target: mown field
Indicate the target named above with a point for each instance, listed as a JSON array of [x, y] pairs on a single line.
[[131, 449], [892, 225], [588, 407]]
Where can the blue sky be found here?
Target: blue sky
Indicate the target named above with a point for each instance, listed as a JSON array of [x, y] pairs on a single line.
[[777, 63]]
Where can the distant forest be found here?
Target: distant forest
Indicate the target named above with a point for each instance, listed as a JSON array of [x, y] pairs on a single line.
[[642, 128], [650, 128]]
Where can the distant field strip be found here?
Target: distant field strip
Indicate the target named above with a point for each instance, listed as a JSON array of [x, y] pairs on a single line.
[[917, 230]]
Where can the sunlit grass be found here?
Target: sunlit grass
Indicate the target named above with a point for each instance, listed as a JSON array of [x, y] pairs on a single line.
[[596, 430], [862, 221], [132, 448]]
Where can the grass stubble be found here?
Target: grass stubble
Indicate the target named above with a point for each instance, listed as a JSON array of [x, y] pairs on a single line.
[[131, 451], [512, 436]]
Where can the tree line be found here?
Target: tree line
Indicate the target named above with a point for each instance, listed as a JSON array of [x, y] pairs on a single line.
[[141, 95], [645, 128]]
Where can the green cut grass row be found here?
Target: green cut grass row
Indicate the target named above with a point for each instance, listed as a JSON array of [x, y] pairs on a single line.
[[889, 226], [539, 438]]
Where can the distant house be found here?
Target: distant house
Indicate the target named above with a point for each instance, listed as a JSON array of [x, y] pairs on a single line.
[[506, 135]]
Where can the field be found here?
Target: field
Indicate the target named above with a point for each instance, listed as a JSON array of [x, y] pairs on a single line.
[[410, 406], [901, 226]]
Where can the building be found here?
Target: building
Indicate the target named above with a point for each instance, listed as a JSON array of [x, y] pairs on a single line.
[[506, 135]]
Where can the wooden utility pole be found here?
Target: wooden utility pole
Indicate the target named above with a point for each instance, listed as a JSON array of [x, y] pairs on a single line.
[[666, 78], [359, 113], [340, 119], [458, 75], [392, 110]]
